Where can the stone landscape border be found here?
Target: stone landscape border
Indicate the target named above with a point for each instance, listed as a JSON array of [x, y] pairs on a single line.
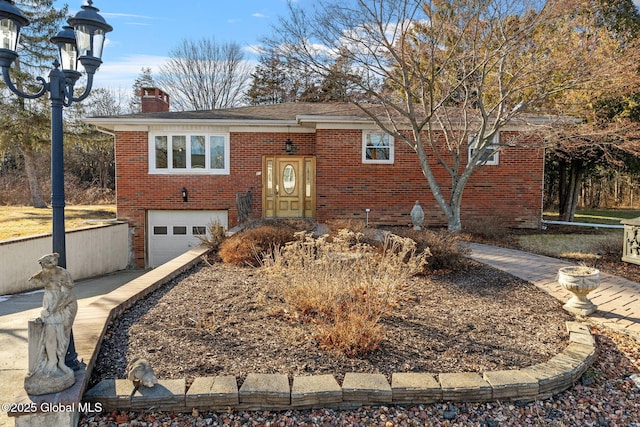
[[276, 391]]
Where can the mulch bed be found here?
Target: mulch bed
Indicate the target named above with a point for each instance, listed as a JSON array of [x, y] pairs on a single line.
[[227, 320]]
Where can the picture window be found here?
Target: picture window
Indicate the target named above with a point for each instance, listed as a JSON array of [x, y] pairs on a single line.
[[189, 154]]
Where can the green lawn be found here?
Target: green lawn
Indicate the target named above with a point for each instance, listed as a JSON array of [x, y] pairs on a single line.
[[580, 243], [20, 221], [599, 216], [576, 246]]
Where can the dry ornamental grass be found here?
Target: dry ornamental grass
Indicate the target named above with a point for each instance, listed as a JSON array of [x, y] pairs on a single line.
[[229, 320]]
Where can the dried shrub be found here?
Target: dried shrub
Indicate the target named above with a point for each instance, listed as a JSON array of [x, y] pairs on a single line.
[[489, 228], [215, 235], [447, 249], [249, 246], [355, 225], [351, 333], [343, 286]]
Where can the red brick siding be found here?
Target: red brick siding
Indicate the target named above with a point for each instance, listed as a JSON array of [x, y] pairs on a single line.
[[138, 191], [511, 190], [344, 186]]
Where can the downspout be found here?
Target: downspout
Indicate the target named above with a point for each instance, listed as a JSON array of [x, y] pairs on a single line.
[[105, 131]]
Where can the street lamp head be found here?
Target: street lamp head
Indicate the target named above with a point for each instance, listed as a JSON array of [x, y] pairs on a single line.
[[11, 22], [90, 29], [66, 42]]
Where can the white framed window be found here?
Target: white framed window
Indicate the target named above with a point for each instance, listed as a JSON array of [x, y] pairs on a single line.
[[189, 154], [377, 147], [491, 156]]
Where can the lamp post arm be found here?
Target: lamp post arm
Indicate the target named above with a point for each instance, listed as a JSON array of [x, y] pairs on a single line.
[[11, 86], [85, 94]]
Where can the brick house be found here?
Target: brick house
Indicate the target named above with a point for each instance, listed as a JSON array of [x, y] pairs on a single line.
[[178, 171]]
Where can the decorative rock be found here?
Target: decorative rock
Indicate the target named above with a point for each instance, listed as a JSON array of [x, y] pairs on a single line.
[[451, 413]]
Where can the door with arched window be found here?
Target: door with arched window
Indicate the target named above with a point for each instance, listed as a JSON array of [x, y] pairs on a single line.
[[288, 187]]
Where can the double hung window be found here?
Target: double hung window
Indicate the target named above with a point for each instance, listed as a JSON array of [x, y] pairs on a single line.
[[491, 155], [377, 147]]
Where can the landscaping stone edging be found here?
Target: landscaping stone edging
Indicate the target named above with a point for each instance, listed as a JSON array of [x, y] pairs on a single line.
[[274, 392]]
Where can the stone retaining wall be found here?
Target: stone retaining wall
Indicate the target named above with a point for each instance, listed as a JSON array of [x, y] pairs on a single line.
[[276, 392]]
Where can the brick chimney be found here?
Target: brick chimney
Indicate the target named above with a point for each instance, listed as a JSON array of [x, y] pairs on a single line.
[[154, 100]]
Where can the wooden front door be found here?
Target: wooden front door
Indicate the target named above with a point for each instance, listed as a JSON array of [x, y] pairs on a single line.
[[288, 187]]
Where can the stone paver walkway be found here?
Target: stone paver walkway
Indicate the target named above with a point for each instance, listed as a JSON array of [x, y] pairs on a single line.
[[618, 299]]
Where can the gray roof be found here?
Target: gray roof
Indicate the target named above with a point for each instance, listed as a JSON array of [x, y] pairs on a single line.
[[290, 111], [297, 113]]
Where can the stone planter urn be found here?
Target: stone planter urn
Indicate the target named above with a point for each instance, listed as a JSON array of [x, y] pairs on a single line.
[[579, 281]]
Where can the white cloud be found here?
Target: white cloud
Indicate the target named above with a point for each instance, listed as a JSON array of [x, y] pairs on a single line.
[[126, 15], [259, 15], [122, 74]]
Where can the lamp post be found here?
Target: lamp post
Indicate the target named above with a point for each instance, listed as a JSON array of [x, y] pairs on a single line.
[[82, 41]]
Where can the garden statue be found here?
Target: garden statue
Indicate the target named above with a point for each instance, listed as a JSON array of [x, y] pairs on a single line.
[[417, 216], [140, 372], [49, 333]]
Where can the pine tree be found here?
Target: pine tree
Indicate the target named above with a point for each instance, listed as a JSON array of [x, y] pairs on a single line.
[[277, 81], [24, 125], [144, 80], [268, 84]]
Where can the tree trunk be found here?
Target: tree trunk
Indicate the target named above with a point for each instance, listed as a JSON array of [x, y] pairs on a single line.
[[30, 169], [454, 224], [562, 188], [570, 184]]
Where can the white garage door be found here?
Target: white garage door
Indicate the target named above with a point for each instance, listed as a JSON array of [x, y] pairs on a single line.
[[172, 233]]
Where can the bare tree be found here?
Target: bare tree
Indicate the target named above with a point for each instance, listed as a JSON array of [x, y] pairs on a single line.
[[205, 75], [443, 74]]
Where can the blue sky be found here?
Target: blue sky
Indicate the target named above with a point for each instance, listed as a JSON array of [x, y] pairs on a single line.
[[145, 30]]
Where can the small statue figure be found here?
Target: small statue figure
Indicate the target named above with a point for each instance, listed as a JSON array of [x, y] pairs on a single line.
[[49, 334], [417, 216], [140, 372]]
